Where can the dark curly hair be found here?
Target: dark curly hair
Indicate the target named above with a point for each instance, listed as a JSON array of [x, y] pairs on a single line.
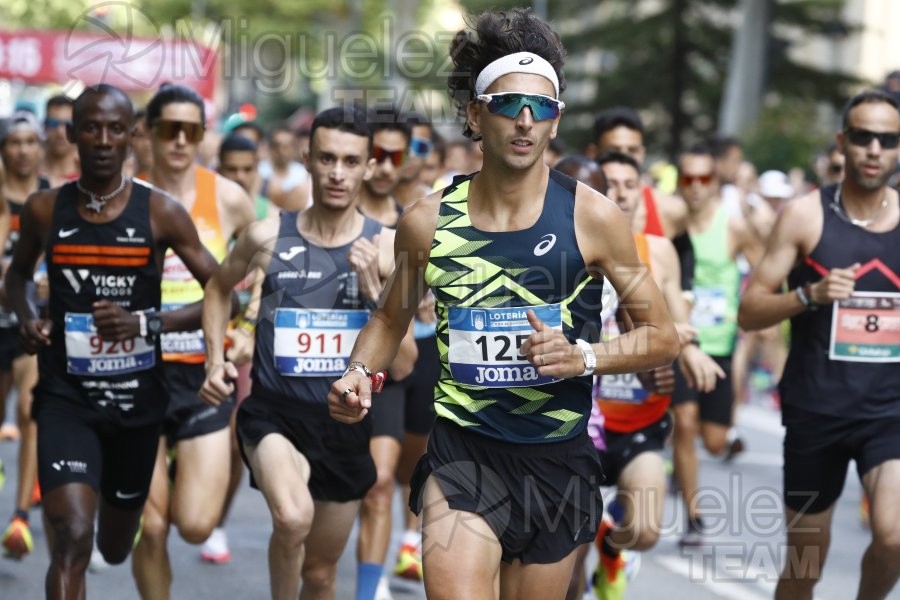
[[493, 35]]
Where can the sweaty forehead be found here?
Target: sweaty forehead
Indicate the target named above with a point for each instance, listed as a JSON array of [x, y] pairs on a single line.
[[389, 139], [620, 137], [111, 106], [339, 143], [878, 116], [528, 83]]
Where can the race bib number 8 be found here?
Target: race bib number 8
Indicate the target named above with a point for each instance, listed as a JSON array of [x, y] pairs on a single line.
[[89, 354], [315, 342], [866, 328], [485, 342]]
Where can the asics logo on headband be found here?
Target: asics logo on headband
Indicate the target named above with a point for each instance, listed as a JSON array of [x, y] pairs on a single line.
[[520, 62]]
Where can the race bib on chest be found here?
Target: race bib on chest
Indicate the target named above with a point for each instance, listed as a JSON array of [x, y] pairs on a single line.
[[88, 354], [623, 387], [183, 342], [710, 307], [866, 328], [315, 342], [485, 342]]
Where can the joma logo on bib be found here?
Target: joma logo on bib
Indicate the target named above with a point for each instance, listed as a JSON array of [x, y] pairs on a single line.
[[505, 374]]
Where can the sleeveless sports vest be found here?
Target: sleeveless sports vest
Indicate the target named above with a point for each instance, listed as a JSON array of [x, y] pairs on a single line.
[[310, 315], [484, 283], [716, 288], [86, 262], [179, 287], [625, 404], [855, 385]]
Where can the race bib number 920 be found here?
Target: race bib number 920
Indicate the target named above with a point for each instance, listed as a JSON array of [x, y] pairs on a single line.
[[89, 354]]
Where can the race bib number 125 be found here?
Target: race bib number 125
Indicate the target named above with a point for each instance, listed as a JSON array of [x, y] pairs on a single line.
[[485, 342]]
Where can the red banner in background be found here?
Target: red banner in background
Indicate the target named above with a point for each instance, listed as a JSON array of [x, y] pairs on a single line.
[[132, 64]]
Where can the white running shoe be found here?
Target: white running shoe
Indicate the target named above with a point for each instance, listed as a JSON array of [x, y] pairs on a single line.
[[215, 548], [383, 591]]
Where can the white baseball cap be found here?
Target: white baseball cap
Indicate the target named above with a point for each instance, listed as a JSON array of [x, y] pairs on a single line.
[[775, 184], [22, 119]]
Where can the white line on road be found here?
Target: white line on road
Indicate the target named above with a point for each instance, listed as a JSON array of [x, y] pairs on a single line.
[[724, 589], [762, 419]]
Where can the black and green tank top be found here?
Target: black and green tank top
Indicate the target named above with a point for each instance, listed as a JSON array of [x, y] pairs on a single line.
[[484, 283]]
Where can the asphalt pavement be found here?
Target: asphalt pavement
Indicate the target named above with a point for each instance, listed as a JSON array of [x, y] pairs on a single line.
[[741, 562]]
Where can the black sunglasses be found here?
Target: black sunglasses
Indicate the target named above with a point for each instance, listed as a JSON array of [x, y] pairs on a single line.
[[864, 137]]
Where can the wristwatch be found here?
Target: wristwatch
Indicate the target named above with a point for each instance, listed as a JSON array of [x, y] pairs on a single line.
[[154, 326], [377, 379]]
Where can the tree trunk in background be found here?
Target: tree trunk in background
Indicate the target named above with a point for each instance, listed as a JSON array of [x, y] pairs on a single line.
[[746, 78], [679, 76]]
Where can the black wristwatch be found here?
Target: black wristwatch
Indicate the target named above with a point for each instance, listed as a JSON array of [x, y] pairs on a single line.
[[154, 326]]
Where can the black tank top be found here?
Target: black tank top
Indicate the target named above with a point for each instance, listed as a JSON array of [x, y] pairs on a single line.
[[87, 262], [814, 382], [310, 314]]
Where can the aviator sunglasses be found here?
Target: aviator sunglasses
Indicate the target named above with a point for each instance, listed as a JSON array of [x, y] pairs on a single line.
[[510, 104], [864, 137], [167, 131], [395, 156]]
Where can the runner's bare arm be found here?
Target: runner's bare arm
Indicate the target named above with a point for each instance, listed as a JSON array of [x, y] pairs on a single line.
[[700, 370], [251, 253], [653, 342], [377, 344], [36, 218], [762, 304], [673, 214], [173, 228], [408, 352], [235, 207]]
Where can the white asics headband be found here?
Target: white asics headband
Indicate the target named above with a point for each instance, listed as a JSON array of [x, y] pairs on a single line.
[[520, 62]]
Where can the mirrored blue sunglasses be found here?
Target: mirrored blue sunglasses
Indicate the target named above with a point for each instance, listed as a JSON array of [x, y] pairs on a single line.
[[510, 104]]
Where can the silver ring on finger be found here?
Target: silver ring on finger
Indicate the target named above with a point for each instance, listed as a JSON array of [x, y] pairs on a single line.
[[346, 393]]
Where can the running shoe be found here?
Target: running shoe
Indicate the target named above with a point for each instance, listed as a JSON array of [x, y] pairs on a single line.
[[409, 563], [383, 591], [695, 535], [613, 574], [215, 548], [17, 540]]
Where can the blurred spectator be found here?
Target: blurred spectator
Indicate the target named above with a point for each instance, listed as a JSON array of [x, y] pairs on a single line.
[[421, 144], [60, 156], [729, 155], [584, 170], [287, 182], [434, 163], [301, 139], [830, 166], [620, 129], [554, 152], [141, 146]]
